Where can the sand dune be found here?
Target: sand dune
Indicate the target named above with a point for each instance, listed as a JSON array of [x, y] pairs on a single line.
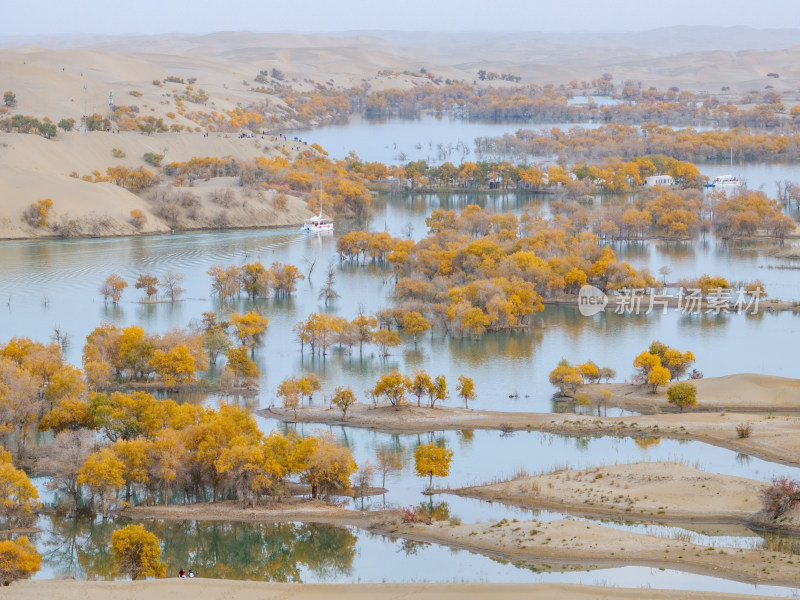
[[34, 168], [49, 80], [740, 392], [640, 491]]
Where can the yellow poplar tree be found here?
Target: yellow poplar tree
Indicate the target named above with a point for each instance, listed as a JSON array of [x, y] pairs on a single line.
[[431, 460], [102, 473], [18, 559], [137, 552], [18, 496]]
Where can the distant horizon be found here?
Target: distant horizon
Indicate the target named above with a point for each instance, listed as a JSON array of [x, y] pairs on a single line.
[[353, 32], [152, 17]]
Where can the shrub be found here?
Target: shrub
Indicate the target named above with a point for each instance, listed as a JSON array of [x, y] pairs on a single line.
[[151, 158], [279, 202], [36, 215], [682, 394], [743, 430], [138, 218], [224, 197], [117, 153], [780, 497], [408, 514]]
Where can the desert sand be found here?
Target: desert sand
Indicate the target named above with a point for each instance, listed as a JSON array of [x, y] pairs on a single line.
[[48, 78], [742, 392], [661, 491], [594, 546], [33, 168], [306, 511], [217, 589]]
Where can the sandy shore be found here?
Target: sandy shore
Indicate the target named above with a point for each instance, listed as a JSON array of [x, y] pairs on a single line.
[[593, 546], [660, 491], [775, 438], [220, 589], [741, 392], [306, 511]]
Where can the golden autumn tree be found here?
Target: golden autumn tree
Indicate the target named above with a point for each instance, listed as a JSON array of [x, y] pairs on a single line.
[[102, 473], [112, 288], [392, 386], [565, 377], [174, 367], [249, 328], [19, 498], [18, 560], [432, 461], [148, 283], [421, 385], [328, 467], [289, 393], [658, 376], [136, 553], [384, 339], [240, 365], [365, 326], [465, 389], [343, 398], [414, 324]]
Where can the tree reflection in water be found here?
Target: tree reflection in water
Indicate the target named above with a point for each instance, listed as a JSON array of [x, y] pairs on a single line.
[[280, 552]]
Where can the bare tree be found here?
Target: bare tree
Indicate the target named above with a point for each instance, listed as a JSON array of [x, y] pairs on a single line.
[[327, 293], [60, 337], [67, 455], [310, 264], [665, 271], [171, 284]]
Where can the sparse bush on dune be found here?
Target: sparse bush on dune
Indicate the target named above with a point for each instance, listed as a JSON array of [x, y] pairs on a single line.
[[780, 497]]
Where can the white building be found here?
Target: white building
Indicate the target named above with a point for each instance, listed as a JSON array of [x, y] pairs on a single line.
[[655, 180]]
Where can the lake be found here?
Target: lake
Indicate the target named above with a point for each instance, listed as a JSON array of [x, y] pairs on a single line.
[[49, 283]]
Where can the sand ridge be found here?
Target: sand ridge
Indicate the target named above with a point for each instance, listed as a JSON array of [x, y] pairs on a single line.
[[591, 545], [648, 491]]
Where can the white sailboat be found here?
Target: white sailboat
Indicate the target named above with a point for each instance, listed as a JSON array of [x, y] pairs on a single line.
[[725, 181], [318, 223]]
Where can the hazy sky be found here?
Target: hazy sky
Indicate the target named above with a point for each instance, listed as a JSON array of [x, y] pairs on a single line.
[[45, 17]]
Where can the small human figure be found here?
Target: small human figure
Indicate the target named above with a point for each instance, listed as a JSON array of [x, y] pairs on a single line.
[[191, 573], [181, 573]]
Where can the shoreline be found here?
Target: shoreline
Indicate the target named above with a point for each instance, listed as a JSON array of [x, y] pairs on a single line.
[[644, 492], [776, 439], [591, 546], [225, 589], [179, 231], [306, 511]]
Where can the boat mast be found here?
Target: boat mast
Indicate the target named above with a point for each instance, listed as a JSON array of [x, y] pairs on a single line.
[[320, 200]]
